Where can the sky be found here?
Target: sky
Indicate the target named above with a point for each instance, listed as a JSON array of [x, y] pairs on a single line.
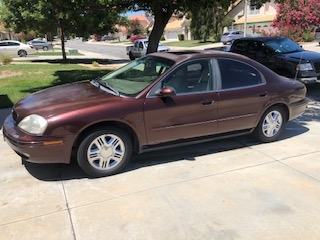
[[130, 14]]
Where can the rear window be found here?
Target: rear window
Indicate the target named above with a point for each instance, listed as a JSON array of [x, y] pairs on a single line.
[[239, 46]]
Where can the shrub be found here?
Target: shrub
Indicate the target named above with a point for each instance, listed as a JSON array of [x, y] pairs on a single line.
[[162, 38], [308, 36], [5, 59], [181, 37], [217, 37], [95, 64]]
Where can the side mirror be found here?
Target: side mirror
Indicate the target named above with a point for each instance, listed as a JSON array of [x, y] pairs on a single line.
[[166, 92]]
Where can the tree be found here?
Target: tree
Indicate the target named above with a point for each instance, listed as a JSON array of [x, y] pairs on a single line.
[[206, 21], [297, 19], [163, 10], [79, 17], [135, 27]]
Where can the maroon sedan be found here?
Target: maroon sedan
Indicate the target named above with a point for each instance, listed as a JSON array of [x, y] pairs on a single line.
[[158, 101]]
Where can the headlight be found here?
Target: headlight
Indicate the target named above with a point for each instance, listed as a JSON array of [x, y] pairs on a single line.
[[33, 124], [305, 67]]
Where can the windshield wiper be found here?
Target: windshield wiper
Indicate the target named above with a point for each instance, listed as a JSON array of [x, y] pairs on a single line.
[[106, 85]]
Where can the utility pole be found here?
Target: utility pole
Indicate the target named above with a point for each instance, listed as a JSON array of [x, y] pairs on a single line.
[[245, 18]]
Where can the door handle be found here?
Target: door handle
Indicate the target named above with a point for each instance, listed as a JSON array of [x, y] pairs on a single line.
[[264, 94], [207, 102]]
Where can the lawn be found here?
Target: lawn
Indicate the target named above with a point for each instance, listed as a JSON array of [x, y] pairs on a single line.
[[18, 80], [188, 43]]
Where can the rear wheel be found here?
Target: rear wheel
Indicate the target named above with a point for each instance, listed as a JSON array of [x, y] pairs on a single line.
[[104, 152], [22, 53], [271, 124]]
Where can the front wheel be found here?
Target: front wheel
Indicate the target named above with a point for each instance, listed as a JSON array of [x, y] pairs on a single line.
[[271, 124], [131, 56], [104, 152], [45, 48]]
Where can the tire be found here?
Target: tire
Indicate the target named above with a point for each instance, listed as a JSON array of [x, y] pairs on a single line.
[[271, 125], [104, 152], [45, 48], [22, 53], [131, 56]]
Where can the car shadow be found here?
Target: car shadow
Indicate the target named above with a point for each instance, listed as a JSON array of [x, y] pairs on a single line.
[[3, 115], [103, 61], [63, 172]]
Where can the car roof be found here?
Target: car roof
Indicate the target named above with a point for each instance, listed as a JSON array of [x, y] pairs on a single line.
[[181, 56], [260, 38], [10, 41]]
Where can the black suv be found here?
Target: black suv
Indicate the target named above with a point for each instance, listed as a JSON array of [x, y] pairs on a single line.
[[282, 55]]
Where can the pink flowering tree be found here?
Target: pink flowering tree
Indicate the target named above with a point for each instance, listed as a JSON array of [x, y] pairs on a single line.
[[297, 19]]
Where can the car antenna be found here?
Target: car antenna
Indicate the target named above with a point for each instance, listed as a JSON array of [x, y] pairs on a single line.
[[297, 68]]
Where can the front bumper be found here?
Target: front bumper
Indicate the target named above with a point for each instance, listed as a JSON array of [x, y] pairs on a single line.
[[37, 149]]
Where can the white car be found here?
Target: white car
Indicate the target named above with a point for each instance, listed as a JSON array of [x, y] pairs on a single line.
[[15, 48]]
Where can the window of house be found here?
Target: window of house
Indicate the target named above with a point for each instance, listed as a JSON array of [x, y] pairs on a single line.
[[254, 10]]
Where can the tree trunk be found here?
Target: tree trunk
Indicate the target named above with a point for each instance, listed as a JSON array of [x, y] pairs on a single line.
[[64, 55], [161, 18]]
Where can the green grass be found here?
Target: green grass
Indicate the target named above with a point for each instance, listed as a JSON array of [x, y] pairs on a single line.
[[55, 53], [19, 80], [188, 43]]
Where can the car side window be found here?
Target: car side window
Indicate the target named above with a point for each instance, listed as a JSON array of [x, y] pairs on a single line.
[[236, 74], [13, 44], [3, 44], [240, 47], [191, 77]]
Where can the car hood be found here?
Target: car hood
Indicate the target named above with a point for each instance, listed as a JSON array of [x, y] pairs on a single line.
[[63, 98], [304, 55], [162, 48]]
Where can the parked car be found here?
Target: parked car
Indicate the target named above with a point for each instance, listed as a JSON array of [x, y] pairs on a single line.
[[139, 48], [137, 37], [317, 34], [159, 101], [230, 35], [40, 44], [282, 55], [15, 48], [108, 38]]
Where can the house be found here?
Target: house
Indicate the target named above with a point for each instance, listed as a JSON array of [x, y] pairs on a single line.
[[143, 19], [4, 34], [177, 26], [257, 20]]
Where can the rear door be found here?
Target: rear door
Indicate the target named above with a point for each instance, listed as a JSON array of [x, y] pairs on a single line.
[[243, 95], [13, 48]]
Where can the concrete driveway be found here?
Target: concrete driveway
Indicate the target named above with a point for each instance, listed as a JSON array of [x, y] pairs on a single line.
[[230, 189]]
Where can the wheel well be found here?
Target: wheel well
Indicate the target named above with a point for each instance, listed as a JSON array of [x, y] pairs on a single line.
[[284, 107], [131, 133]]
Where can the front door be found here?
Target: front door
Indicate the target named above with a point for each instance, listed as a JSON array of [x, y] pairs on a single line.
[[191, 112]]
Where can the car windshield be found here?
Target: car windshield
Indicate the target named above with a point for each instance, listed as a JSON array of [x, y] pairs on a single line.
[[146, 44], [283, 45], [134, 77]]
